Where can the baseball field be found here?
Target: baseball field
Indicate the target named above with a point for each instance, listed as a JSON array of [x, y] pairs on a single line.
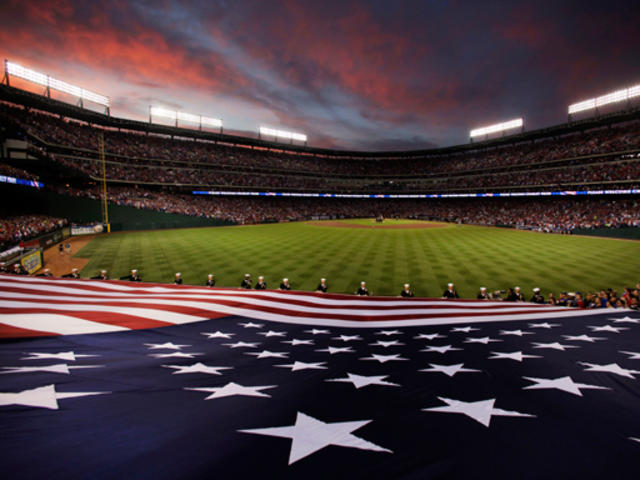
[[426, 255]]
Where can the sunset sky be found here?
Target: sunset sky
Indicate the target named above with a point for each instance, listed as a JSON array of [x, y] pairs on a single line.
[[375, 75]]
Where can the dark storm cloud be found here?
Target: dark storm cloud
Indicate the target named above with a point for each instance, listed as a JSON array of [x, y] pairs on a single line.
[[353, 74]]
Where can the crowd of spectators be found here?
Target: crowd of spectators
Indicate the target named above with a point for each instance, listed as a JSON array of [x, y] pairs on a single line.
[[24, 227], [14, 172], [139, 158], [560, 214]]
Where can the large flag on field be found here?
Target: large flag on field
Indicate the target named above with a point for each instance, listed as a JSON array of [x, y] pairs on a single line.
[[124, 380]]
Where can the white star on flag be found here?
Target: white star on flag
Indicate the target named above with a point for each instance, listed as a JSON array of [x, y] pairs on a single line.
[[607, 328], [308, 435], [389, 332], [58, 368], [626, 319], [68, 356], [296, 342], [440, 348], [449, 370], [481, 411], [518, 333], [384, 358], [174, 355], [611, 368], [196, 368], [271, 333], [42, 397], [348, 338], [268, 354], [553, 345], [242, 345], [517, 356], [463, 329], [165, 346], [566, 384], [582, 338], [544, 325], [360, 381], [231, 389], [633, 355], [251, 325], [315, 331], [381, 343], [483, 340], [218, 334], [296, 365], [428, 336], [333, 350]]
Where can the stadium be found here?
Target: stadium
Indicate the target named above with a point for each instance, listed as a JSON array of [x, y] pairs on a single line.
[[132, 240]]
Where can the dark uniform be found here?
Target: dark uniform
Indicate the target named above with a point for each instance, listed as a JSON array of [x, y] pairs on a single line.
[[406, 293], [102, 276], [211, 282], [450, 293], [363, 290], [285, 286], [537, 298], [483, 295], [132, 277], [261, 285], [73, 274], [178, 281], [515, 297], [322, 287], [18, 269], [246, 283], [46, 273]]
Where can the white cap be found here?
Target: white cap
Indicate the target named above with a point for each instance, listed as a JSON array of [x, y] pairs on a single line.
[[285, 280], [178, 274], [483, 288], [247, 275], [363, 283], [260, 277], [103, 271], [536, 289], [134, 271], [210, 275], [74, 269], [517, 288], [406, 285], [450, 285], [323, 279]]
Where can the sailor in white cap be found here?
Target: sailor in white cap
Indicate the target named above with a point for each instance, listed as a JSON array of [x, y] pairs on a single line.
[[363, 290], [322, 286], [211, 282], [537, 297], [133, 277], [450, 292], [406, 291], [261, 284], [246, 283], [285, 284], [483, 295], [178, 279]]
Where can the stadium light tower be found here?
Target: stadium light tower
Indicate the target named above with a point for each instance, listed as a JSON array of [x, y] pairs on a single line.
[[283, 134], [15, 70], [177, 116], [626, 94], [498, 127]]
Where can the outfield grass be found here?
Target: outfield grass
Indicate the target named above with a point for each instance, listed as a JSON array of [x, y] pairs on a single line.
[[470, 256]]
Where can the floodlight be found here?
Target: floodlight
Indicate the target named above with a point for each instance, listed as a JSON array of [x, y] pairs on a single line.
[[46, 81], [184, 117], [498, 127], [613, 97], [271, 132]]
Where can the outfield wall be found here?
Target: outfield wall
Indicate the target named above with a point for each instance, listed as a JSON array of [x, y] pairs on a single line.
[[18, 200], [631, 233]]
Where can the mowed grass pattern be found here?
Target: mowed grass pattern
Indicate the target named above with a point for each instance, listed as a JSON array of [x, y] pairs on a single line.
[[469, 256]]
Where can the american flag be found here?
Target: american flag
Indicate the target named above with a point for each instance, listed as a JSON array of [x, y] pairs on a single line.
[[115, 379]]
